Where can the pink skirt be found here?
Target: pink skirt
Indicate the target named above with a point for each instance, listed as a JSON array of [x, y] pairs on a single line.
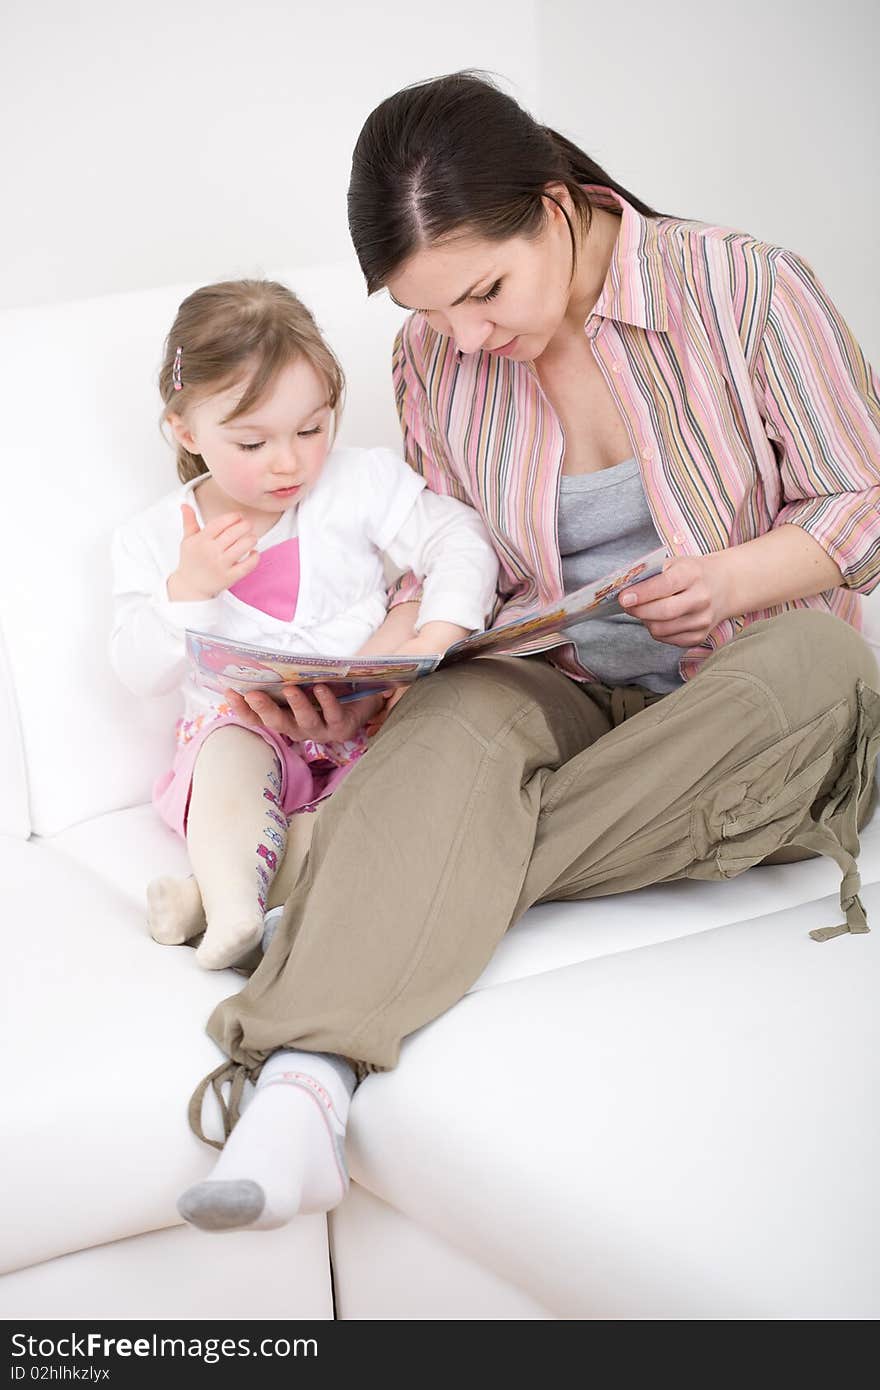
[[309, 771]]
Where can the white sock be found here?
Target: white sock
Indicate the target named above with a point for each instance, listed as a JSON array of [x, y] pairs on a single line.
[[286, 1154]]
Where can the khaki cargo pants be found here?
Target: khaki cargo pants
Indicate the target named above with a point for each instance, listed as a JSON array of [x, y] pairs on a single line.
[[500, 783]]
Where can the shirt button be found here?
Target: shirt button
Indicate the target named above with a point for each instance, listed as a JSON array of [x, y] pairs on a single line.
[[647, 454], [678, 538], [616, 367]]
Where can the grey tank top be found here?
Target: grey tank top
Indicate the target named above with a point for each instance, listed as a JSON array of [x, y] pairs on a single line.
[[603, 524]]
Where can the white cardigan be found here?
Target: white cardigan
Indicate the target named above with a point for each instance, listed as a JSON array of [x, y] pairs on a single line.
[[365, 503]]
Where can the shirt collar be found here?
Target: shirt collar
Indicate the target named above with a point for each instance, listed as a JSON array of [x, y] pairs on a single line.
[[634, 290]]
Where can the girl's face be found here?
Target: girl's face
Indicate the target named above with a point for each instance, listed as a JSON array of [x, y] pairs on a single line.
[[267, 460], [507, 297]]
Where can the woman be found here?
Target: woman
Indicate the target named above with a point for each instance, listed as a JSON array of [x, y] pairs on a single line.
[[590, 375]]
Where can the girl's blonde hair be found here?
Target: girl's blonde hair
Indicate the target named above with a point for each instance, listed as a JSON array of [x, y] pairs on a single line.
[[232, 330]]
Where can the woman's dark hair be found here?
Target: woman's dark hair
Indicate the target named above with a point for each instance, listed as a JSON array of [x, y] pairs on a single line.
[[456, 154]]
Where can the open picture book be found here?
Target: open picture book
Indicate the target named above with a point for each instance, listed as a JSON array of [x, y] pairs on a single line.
[[220, 664]]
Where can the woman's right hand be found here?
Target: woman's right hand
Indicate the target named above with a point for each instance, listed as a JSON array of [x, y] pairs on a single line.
[[212, 557], [328, 721]]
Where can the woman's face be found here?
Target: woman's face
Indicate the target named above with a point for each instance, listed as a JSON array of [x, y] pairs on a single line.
[[507, 297]]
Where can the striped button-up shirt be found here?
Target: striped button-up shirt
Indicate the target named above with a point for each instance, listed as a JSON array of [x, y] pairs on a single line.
[[748, 403]]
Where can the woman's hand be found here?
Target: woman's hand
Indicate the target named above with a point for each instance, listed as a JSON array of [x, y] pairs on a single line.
[[682, 605], [328, 721], [325, 722]]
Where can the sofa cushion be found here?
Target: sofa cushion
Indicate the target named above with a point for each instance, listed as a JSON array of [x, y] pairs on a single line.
[[871, 619], [92, 461], [15, 817], [682, 1131], [112, 1024], [103, 1036], [126, 849], [180, 1275]]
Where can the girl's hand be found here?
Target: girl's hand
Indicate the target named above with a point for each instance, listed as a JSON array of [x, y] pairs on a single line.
[[682, 605], [432, 640], [399, 626], [326, 722], [212, 557]]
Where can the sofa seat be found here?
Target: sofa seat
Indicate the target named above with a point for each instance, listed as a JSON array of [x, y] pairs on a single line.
[[126, 849], [173, 1274], [107, 1032], [728, 1016], [133, 1050], [679, 1131]]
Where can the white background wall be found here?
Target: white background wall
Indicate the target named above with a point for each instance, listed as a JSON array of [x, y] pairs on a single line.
[[758, 114], [181, 140], [173, 140]]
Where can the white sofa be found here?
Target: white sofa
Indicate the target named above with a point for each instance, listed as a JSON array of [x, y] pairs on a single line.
[[657, 1105]]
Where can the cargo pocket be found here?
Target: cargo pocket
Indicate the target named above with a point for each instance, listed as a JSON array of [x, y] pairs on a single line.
[[781, 797]]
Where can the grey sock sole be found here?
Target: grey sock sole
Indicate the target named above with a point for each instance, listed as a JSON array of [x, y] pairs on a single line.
[[222, 1206]]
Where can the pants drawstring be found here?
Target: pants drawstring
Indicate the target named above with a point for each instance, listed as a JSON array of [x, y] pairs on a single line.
[[841, 840], [626, 700], [824, 842], [236, 1073]]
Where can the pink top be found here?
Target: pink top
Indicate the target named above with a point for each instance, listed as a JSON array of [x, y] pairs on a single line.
[[273, 586], [748, 403]]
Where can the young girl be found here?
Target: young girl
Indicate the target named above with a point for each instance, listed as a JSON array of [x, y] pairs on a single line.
[[274, 539]]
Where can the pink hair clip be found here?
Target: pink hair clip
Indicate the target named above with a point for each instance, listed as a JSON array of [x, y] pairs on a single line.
[[175, 370]]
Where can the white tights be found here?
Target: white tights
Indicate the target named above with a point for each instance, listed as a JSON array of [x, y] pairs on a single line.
[[236, 834]]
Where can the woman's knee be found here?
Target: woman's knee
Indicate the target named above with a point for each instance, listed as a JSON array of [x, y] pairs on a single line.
[[487, 694], [804, 656]]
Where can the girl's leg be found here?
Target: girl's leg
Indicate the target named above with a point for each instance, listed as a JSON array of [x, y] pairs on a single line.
[[478, 799], [235, 835], [176, 913], [174, 909]]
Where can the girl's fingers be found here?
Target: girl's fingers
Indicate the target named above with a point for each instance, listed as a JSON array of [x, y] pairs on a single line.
[[220, 523], [248, 561], [190, 521], [236, 536]]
